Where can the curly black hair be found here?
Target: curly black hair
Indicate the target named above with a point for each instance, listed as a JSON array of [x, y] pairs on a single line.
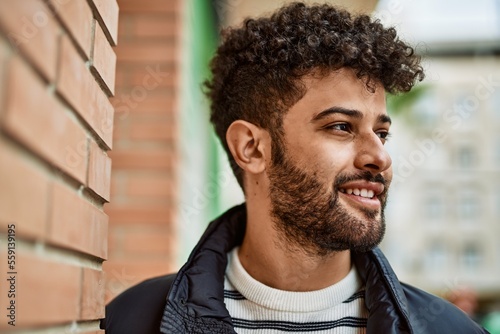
[[258, 66]]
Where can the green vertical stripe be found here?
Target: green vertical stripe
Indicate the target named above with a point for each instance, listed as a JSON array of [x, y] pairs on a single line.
[[199, 193]]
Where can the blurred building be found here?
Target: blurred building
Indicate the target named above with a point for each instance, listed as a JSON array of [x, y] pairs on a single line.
[[444, 207], [144, 183], [444, 210]]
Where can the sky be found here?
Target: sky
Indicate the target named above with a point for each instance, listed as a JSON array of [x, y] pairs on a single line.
[[450, 22]]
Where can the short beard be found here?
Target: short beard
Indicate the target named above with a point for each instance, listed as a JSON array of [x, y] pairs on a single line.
[[310, 219]]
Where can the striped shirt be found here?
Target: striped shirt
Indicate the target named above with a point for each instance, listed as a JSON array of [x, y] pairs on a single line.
[[257, 308]]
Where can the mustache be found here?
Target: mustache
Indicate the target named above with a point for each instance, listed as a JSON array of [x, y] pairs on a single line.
[[362, 175]]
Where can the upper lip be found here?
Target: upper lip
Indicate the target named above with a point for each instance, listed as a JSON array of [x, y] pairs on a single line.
[[376, 187]]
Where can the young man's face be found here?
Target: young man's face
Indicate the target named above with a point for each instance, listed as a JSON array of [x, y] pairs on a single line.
[[328, 189]]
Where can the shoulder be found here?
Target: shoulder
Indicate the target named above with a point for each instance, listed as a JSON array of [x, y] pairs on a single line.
[[138, 309], [431, 314]]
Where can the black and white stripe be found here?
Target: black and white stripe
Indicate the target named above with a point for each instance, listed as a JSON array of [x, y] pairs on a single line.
[[357, 295], [287, 326], [233, 294], [257, 308]]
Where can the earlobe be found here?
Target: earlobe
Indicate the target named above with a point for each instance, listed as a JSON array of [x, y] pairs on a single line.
[[246, 143]]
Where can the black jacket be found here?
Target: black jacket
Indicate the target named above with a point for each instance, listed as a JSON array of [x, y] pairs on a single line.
[[192, 301]]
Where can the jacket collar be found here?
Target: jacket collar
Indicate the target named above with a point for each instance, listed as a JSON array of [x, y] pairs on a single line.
[[198, 290], [384, 296]]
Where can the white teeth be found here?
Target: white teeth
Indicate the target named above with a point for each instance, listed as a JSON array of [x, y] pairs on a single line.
[[359, 192]]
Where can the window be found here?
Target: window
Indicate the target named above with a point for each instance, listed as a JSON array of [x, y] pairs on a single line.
[[425, 109], [466, 105], [495, 104], [434, 202], [497, 151], [437, 257], [471, 256], [467, 157], [434, 207], [468, 207]]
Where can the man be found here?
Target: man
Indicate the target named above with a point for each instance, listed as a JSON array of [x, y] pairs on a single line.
[[298, 101]]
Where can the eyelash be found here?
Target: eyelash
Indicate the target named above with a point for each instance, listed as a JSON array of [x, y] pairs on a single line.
[[334, 127], [383, 135], [386, 136]]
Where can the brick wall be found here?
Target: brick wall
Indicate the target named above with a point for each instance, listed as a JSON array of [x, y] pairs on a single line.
[[145, 155], [57, 72]]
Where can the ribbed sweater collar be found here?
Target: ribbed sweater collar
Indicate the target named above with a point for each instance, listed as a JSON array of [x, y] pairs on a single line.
[[290, 301]]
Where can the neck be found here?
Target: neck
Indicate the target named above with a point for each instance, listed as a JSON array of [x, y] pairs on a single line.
[[268, 258]]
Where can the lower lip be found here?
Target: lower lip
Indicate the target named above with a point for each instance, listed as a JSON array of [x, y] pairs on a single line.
[[367, 203]]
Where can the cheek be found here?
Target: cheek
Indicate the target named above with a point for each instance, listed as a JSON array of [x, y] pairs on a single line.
[[324, 161], [329, 165], [337, 158]]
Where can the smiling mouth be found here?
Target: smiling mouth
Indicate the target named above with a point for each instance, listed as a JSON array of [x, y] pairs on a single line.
[[366, 193]]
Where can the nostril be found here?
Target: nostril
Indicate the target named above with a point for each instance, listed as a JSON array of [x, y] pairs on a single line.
[[372, 166]]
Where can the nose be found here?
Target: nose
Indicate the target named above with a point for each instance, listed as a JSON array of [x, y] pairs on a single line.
[[371, 154]]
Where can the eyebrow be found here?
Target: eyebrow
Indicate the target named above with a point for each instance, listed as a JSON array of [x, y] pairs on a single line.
[[383, 118]]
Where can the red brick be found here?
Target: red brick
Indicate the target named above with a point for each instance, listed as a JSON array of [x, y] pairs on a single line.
[[104, 59], [25, 203], [77, 85], [37, 119], [171, 80], [141, 159], [151, 241], [114, 240], [152, 112], [124, 23], [99, 171], [149, 186], [160, 26], [107, 14], [121, 76], [156, 102], [124, 119], [156, 6], [32, 29], [121, 275], [4, 56], [140, 214], [77, 224], [147, 25], [120, 130], [130, 76], [77, 17], [154, 132], [47, 292], [123, 190], [153, 105], [143, 208], [141, 51], [92, 306]]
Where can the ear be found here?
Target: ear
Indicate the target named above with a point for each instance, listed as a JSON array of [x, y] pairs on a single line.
[[247, 143]]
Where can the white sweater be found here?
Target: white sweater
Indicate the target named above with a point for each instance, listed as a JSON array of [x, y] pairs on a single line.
[[257, 308]]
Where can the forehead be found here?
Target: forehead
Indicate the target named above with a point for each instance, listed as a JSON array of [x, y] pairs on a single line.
[[340, 88]]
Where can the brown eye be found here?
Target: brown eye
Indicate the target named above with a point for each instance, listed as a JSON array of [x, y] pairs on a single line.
[[340, 127], [383, 135]]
